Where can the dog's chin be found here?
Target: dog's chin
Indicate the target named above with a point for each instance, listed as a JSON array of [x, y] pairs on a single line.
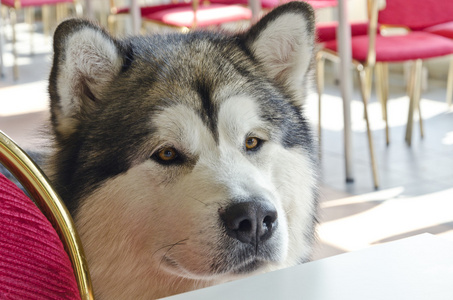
[[229, 272]]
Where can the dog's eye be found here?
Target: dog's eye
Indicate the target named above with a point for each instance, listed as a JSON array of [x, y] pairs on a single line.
[[252, 143], [166, 155]]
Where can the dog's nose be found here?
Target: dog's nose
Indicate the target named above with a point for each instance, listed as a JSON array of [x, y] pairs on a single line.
[[249, 222]]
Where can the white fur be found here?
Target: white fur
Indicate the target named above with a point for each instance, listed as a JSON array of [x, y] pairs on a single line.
[[156, 230], [286, 48], [152, 209], [92, 59]]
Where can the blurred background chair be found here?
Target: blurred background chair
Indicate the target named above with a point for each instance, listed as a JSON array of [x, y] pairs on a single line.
[[41, 256], [388, 42], [432, 16], [29, 9], [184, 16]]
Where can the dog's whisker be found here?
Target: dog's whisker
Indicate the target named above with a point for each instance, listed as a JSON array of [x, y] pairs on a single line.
[[193, 198], [170, 246]]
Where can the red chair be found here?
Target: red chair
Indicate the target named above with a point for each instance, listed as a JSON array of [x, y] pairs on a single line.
[[269, 4], [377, 50], [186, 16], [29, 6], [40, 252], [437, 18]]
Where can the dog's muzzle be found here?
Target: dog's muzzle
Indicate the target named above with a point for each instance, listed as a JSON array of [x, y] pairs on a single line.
[[251, 222]]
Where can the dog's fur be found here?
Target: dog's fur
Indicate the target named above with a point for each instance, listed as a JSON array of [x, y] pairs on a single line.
[[226, 111]]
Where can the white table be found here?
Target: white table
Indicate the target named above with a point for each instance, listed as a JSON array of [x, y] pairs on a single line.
[[420, 267]]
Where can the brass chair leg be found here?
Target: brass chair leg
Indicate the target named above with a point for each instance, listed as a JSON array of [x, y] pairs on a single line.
[[450, 83], [111, 24], [78, 9], [46, 19], [364, 90], [13, 18], [30, 19], [385, 81], [410, 116], [320, 88], [414, 99], [382, 91]]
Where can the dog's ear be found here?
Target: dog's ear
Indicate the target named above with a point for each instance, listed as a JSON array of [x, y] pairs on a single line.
[[283, 42], [85, 60]]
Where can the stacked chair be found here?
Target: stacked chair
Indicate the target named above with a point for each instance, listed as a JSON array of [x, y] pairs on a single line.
[[185, 16], [374, 50], [431, 16], [29, 5]]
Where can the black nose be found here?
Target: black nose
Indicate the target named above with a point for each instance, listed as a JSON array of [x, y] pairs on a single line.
[[249, 222]]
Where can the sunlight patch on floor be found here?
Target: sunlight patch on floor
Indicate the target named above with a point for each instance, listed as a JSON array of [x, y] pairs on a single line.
[[392, 217]]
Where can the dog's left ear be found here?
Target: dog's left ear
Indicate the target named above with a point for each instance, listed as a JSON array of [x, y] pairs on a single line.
[[283, 42], [86, 59]]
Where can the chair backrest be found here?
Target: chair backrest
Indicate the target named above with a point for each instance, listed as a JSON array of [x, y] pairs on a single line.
[[416, 14], [51, 206], [33, 262], [149, 9]]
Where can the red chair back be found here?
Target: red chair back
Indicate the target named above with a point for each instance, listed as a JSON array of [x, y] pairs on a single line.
[[33, 262], [416, 14]]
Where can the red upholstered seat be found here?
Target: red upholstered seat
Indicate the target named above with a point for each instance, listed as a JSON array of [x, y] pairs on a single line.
[[213, 14], [327, 31], [146, 10], [416, 15], [268, 4], [415, 45], [33, 262], [444, 29], [26, 3], [316, 4]]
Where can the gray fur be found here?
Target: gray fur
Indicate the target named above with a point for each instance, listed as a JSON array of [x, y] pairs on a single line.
[[106, 95]]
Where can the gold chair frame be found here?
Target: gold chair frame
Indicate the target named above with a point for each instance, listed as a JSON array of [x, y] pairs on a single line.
[[51, 205]]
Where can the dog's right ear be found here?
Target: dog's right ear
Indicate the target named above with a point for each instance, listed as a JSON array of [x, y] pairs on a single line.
[[86, 59]]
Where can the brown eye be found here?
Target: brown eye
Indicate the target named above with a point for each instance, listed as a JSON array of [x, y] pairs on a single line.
[[252, 143], [167, 154]]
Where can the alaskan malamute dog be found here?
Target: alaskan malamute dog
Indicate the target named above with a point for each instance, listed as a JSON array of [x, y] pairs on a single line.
[[185, 159]]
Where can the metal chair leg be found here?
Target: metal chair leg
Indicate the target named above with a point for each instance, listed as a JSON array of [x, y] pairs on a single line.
[[320, 60], [385, 81], [382, 91], [364, 90], [450, 83], [30, 19], [414, 99], [13, 18], [78, 9]]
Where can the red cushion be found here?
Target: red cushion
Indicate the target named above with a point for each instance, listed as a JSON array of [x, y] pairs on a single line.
[[214, 14], [146, 10], [26, 3], [399, 48], [268, 4], [416, 14], [327, 31], [33, 262], [316, 4], [445, 29]]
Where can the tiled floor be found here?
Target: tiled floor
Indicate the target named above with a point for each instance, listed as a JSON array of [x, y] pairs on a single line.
[[416, 192]]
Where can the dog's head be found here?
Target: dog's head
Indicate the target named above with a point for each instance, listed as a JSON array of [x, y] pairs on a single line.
[[186, 158]]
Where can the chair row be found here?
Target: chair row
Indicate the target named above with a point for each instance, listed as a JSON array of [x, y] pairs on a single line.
[[29, 6], [397, 31]]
